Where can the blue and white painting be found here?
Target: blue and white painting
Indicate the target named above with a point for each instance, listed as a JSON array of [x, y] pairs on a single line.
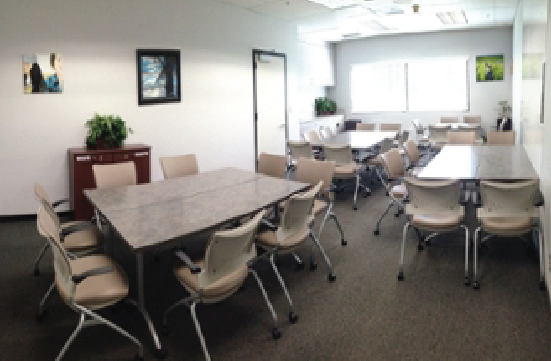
[[159, 77]]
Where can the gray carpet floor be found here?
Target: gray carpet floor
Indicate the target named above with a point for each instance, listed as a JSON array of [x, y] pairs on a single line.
[[367, 314]]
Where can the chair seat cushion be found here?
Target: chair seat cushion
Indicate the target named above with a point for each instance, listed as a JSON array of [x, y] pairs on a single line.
[[506, 225], [346, 170], [374, 161], [224, 286], [96, 291], [436, 222], [80, 241], [398, 191], [268, 239]]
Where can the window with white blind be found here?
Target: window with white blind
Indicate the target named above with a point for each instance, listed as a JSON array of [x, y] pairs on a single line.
[[378, 87], [439, 84]]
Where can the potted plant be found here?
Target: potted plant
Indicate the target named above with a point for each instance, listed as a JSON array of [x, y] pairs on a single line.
[[325, 106], [504, 109], [106, 131]]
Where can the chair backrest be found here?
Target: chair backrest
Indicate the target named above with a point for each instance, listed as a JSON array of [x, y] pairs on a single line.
[[299, 150], [449, 120], [365, 126], [403, 137], [432, 197], [313, 136], [439, 133], [179, 166], [393, 163], [41, 194], [44, 201], [313, 171], [228, 251], [390, 127], [340, 154], [114, 175], [472, 119], [297, 213], [501, 138], [329, 132], [62, 267], [508, 199], [272, 165], [412, 151], [465, 138], [386, 145]]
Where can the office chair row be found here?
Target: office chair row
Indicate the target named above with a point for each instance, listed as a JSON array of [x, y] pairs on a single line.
[[88, 282], [470, 119]]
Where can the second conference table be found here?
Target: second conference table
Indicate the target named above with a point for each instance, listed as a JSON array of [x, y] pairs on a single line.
[[357, 139], [154, 215]]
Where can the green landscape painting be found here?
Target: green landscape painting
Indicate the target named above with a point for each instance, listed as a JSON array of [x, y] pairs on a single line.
[[489, 68]]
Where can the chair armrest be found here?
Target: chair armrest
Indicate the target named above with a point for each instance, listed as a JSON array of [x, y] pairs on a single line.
[[75, 228], [477, 199], [268, 224], [59, 202], [184, 258], [93, 272], [539, 202], [464, 197]]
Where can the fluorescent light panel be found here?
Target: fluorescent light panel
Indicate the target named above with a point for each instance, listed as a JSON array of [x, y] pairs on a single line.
[[335, 4], [452, 17]]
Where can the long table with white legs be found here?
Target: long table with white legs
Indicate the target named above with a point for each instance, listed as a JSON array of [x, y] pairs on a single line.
[[153, 216], [358, 139]]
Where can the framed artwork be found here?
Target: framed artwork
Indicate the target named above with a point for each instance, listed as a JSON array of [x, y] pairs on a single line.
[[489, 68], [42, 73], [158, 76]]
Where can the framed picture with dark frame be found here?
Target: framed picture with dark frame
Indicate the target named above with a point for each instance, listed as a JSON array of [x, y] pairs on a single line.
[[158, 76]]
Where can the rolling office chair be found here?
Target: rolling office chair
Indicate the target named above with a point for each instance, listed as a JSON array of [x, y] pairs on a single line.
[[79, 238], [346, 167], [272, 165], [114, 175], [472, 119], [434, 206], [501, 138], [390, 127], [438, 136], [365, 126], [377, 161], [461, 138], [415, 163], [228, 261], [508, 210], [449, 120], [85, 284], [179, 166], [298, 150]]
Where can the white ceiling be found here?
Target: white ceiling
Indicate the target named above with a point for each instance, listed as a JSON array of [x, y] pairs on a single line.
[[363, 18]]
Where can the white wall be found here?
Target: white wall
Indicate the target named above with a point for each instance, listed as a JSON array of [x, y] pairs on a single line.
[[98, 40], [484, 96], [517, 72]]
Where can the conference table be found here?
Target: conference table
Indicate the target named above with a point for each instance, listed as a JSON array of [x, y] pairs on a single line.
[[156, 215], [480, 162], [357, 139]]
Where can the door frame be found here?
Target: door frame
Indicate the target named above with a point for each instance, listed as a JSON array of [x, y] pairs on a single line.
[[258, 52]]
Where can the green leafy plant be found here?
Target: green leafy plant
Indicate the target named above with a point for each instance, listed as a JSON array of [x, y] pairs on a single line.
[[503, 108], [324, 106], [106, 130]]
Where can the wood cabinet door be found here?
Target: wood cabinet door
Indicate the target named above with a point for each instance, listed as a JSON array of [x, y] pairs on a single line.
[[142, 161]]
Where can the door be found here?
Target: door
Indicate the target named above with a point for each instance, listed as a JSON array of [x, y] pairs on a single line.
[[270, 102]]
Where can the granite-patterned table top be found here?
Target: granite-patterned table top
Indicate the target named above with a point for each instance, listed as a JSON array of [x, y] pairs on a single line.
[[152, 214], [357, 139], [486, 162]]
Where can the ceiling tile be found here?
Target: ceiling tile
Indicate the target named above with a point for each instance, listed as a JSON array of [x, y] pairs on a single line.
[[291, 9]]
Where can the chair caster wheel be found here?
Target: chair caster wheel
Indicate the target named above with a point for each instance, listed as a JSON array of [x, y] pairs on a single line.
[[331, 277], [165, 331], [467, 281], [41, 316], [276, 333], [293, 317], [355, 207], [376, 232], [36, 272], [313, 266], [300, 266], [400, 276], [542, 286], [420, 247], [160, 353], [476, 285], [343, 242]]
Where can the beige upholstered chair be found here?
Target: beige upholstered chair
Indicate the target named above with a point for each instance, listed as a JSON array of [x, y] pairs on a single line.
[[114, 175], [501, 138], [394, 167], [313, 136], [434, 207], [449, 120], [412, 152], [508, 210], [377, 161], [179, 166], [400, 143], [85, 284], [272, 165], [438, 136], [472, 119], [228, 261], [365, 126], [461, 138], [299, 150], [390, 127], [79, 238], [346, 167]]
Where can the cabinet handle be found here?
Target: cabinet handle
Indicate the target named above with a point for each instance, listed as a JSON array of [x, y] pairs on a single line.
[[100, 158], [141, 154], [83, 158]]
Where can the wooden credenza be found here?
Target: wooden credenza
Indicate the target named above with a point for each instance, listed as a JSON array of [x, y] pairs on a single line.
[[81, 176]]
